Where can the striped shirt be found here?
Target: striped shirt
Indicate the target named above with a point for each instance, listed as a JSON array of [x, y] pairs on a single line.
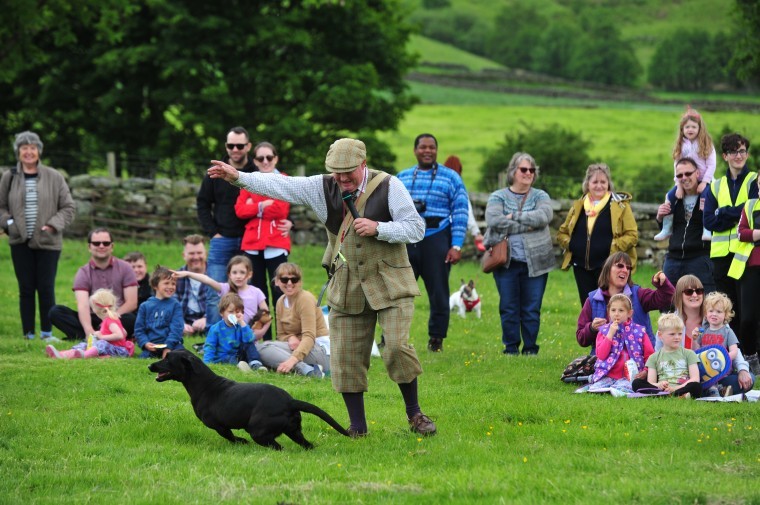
[[445, 197], [30, 203]]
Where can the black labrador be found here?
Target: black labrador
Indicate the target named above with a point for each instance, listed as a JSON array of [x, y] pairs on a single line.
[[263, 410]]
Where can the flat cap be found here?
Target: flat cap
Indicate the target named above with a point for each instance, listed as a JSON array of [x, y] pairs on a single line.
[[345, 155]]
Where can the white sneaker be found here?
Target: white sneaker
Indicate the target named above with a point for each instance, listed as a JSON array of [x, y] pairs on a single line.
[[50, 340], [244, 367]]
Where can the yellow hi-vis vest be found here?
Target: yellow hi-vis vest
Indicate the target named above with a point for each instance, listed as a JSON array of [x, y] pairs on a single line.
[[727, 241], [745, 248]]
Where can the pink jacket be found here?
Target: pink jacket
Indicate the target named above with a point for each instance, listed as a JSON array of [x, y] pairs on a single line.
[[690, 149]]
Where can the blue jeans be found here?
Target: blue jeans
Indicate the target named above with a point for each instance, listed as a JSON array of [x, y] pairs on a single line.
[[520, 298], [701, 267], [220, 251], [733, 381]]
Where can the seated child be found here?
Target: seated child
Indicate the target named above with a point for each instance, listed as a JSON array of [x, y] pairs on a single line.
[[673, 368], [110, 340], [231, 340], [159, 324], [136, 260], [715, 330], [618, 341]]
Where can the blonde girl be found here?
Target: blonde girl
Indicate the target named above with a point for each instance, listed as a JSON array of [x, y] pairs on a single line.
[[109, 340], [692, 141], [239, 272]]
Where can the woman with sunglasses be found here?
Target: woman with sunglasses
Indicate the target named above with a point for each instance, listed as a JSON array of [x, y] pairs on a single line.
[[263, 242], [35, 207], [299, 322], [522, 213], [616, 278], [598, 224], [689, 306]]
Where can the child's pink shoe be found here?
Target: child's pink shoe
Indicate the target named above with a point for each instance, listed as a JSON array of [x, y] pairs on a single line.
[[52, 352]]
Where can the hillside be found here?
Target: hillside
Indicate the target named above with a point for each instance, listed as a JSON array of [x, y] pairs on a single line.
[[644, 23]]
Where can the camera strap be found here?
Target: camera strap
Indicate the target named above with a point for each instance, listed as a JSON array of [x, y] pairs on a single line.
[[432, 180]]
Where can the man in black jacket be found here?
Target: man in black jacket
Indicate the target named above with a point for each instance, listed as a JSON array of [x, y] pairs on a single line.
[[216, 213], [687, 252]]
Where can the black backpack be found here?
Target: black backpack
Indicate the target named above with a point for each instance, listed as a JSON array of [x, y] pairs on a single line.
[[579, 370]]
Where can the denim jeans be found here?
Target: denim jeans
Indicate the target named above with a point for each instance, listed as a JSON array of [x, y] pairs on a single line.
[[220, 251], [701, 266], [520, 298]]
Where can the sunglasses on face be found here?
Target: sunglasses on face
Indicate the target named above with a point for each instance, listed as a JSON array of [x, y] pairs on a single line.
[[260, 159], [104, 243], [525, 170], [239, 147], [685, 174], [622, 266], [691, 291], [291, 280]]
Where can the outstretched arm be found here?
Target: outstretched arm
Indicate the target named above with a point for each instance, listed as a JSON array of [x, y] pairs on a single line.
[[205, 279]]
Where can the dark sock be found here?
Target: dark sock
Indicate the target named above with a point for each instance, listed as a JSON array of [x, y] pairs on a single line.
[[409, 392], [355, 406]]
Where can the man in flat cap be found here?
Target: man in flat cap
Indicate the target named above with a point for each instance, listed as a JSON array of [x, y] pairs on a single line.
[[371, 280]]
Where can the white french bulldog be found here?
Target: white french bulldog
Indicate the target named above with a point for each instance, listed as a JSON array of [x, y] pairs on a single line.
[[466, 299]]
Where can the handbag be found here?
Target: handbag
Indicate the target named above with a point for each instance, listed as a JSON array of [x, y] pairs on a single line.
[[498, 254], [495, 256]]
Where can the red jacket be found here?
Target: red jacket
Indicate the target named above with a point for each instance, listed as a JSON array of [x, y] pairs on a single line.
[[261, 231]]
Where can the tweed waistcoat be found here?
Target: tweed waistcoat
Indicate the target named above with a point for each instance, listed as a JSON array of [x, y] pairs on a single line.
[[370, 270]]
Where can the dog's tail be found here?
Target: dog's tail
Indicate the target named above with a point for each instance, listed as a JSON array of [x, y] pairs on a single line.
[[313, 409]]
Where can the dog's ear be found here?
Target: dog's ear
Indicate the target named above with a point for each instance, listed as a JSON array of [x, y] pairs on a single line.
[[463, 283], [193, 362], [471, 283]]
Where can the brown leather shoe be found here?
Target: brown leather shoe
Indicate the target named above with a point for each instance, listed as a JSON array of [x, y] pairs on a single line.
[[422, 424]]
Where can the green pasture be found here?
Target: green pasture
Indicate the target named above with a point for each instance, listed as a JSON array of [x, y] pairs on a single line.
[[635, 140], [432, 51], [103, 431], [644, 23]]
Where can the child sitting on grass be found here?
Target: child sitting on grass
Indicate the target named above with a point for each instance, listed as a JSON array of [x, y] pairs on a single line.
[[231, 340], [159, 324], [110, 340], [673, 368], [618, 341], [716, 331], [136, 260]]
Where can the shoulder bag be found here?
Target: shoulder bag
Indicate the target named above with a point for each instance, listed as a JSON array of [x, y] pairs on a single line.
[[498, 254]]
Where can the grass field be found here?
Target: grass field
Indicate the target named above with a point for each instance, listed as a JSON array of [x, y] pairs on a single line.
[[103, 431], [633, 139]]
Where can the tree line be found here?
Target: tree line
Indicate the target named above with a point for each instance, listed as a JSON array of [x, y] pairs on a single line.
[[142, 77], [590, 47]]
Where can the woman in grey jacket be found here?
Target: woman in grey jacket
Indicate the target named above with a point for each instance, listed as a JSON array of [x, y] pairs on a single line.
[[35, 207], [523, 213]]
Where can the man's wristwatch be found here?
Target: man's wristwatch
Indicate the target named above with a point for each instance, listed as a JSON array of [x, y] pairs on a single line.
[[456, 247]]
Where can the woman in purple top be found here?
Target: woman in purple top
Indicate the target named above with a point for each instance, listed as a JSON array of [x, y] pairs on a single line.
[[616, 278]]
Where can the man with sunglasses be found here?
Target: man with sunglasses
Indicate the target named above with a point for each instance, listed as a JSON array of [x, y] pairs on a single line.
[[216, 213], [687, 252], [724, 201], [103, 271], [369, 217], [441, 199]]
